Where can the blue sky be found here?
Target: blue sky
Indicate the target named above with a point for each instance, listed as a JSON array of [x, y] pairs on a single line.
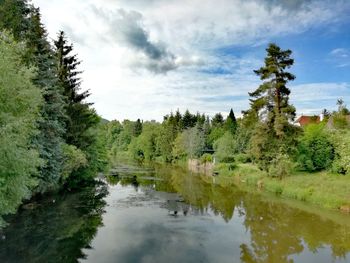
[[142, 59]]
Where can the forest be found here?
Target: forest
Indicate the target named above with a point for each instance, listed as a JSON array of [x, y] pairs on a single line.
[[53, 139], [50, 136]]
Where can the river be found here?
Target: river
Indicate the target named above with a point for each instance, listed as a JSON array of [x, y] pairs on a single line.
[[164, 214]]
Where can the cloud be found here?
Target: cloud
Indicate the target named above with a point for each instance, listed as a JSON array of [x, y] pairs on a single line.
[[127, 28], [207, 48], [311, 98], [340, 56]]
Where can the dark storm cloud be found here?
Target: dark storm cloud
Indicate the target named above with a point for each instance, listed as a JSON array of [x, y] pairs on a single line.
[[127, 28]]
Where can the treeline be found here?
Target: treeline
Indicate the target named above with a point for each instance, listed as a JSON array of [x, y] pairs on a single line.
[[178, 137], [265, 135], [49, 133]]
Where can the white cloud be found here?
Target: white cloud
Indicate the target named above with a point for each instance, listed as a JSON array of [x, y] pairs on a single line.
[[178, 37], [311, 98], [340, 56]]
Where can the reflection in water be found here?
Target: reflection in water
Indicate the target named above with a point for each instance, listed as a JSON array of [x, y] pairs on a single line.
[[169, 215], [57, 230]]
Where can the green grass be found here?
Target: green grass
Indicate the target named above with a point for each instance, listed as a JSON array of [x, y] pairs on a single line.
[[323, 189]]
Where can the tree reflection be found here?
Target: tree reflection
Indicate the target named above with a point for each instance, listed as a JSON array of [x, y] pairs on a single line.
[[57, 230], [279, 232]]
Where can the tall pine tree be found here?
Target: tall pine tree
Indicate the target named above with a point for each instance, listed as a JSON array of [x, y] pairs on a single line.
[[52, 121], [271, 99], [80, 117], [231, 122], [273, 136]]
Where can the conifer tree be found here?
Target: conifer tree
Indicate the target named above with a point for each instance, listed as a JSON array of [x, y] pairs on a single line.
[[52, 122], [231, 122], [80, 117], [273, 136], [218, 120], [138, 128], [24, 21], [271, 99], [14, 17]]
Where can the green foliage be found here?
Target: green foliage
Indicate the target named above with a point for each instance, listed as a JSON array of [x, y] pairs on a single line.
[[80, 117], [138, 128], [272, 97], [341, 143], [73, 160], [218, 120], [165, 140], [144, 147], [215, 134], [224, 148], [190, 143], [243, 158], [231, 123], [188, 120], [19, 107], [206, 158], [315, 151], [281, 166], [273, 136], [52, 122], [14, 17]]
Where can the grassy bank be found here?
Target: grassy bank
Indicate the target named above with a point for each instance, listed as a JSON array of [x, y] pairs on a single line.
[[322, 189]]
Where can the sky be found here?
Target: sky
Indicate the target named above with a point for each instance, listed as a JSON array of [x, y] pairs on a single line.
[[146, 58]]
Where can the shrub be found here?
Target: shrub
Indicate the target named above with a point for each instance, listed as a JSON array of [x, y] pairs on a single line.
[[341, 142], [206, 158], [228, 159], [315, 151], [243, 158], [281, 166]]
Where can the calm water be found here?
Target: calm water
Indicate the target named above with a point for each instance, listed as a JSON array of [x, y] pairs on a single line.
[[168, 215]]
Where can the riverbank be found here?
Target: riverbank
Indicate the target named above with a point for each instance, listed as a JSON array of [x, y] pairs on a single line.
[[322, 189]]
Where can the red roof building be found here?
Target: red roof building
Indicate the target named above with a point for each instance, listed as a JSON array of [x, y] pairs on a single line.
[[306, 120]]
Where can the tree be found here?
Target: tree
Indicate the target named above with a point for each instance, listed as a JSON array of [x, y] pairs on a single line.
[[271, 99], [231, 123], [188, 120], [274, 135], [20, 102], [218, 120], [225, 147], [138, 128], [342, 109], [80, 117], [190, 143], [14, 17], [144, 147], [52, 122]]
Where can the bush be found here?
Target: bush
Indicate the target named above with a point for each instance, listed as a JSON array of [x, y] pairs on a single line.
[[206, 158], [281, 166], [341, 142], [243, 158], [228, 159], [315, 151]]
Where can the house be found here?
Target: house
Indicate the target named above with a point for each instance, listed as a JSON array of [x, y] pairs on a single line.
[[303, 120]]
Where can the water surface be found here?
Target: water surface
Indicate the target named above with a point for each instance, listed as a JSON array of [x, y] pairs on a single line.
[[169, 215]]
